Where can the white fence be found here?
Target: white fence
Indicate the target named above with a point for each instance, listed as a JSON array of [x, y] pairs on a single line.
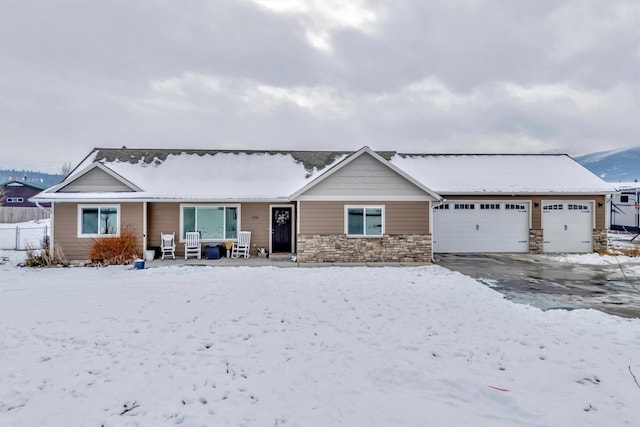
[[24, 235]]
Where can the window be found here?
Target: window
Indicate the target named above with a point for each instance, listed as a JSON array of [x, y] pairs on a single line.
[[623, 199], [515, 207], [98, 221], [213, 222], [443, 206], [578, 207], [464, 206], [556, 207], [490, 206], [364, 221], [15, 200]]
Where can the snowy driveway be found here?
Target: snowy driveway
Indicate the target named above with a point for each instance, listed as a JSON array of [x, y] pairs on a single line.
[[552, 282]]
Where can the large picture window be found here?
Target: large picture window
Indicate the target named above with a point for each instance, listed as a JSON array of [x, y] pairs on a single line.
[[364, 221], [213, 222], [98, 221]]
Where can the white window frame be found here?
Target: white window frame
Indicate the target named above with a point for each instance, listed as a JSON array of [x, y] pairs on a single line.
[[15, 200], [211, 205], [364, 207], [98, 206]]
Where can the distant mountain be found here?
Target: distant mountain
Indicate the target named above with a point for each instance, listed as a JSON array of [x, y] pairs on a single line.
[[46, 179], [614, 166]]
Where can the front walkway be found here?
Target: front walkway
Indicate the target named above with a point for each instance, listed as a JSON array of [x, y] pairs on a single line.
[[283, 261], [252, 261]]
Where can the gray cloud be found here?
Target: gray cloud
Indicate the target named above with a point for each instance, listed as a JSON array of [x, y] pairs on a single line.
[[410, 75]]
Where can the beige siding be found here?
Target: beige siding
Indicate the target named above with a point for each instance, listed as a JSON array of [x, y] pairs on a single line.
[[96, 180], [536, 212], [365, 176], [163, 218], [322, 218], [65, 228], [407, 217], [255, 218]]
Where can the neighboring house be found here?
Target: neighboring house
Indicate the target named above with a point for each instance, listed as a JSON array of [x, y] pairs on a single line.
[[15, 206], [361, 206], [16, 194], [625, 207]]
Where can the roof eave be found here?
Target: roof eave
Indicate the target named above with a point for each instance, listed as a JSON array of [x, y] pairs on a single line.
[[524, 193]]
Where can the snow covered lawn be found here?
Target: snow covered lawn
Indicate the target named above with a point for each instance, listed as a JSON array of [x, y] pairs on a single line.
[[207, 346]]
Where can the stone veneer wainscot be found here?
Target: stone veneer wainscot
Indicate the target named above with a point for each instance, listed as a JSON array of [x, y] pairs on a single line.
[[388, 248]]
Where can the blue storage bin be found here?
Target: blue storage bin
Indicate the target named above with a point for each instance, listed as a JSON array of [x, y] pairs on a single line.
[[212, 252]]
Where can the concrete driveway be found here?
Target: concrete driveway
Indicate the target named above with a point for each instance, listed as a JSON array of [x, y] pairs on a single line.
[[541, 282]]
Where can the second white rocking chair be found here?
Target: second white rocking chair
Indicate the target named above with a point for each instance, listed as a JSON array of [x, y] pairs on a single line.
[[192, 245], [241, 246]]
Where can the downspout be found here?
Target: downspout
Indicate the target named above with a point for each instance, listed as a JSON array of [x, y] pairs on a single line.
[[43, 208], [432, 206], [297, 227], [50, 213]]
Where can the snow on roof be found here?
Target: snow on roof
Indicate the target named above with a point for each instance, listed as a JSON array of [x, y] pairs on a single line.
[[210, 175], [501, 174], [276, 175]]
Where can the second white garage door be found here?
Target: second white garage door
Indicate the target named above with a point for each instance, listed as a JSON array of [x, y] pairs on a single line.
[[466, 227], [568, 226]]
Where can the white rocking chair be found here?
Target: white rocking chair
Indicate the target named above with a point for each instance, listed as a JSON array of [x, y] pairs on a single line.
[[241, 246], [192, 245], [168, 244]]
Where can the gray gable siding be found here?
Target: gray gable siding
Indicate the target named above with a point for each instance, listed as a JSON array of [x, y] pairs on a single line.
[[95, 181], [365, 177]]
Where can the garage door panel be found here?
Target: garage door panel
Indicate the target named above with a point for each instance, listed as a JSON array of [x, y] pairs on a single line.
[[567, 226], [488, 227]]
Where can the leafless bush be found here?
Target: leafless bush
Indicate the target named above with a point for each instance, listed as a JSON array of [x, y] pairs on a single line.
[[114, 250]]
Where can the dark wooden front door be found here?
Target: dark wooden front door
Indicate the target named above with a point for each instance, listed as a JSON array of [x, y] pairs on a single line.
[[281, 220]]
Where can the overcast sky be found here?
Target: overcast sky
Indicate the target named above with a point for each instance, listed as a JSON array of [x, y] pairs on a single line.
[[408, 75]]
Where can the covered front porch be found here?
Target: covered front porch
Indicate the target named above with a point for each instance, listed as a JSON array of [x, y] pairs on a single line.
[[271, 225]]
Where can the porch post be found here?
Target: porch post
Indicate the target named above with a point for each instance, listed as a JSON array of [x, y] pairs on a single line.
[[144, 228]]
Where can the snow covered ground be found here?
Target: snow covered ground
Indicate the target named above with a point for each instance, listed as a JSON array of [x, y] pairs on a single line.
[[336, 346]]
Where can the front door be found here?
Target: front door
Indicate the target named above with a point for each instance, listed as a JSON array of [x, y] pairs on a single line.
[[281, 220]]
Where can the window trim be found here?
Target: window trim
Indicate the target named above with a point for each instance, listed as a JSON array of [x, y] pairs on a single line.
[[211, 205], [82, 235], [364, 207], [15, 199]]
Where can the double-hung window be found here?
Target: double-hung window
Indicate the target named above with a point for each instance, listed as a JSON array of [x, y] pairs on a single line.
[[213, 222], [97, 221], [364, 221]]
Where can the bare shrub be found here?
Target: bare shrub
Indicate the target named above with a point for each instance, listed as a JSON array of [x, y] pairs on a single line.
[[114, 250], [42, 257]]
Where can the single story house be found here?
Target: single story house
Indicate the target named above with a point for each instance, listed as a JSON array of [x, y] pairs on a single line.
[[324, 206]]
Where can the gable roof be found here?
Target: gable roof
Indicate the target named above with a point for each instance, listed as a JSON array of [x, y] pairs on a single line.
[[351, 158], [477, 174], [252, 175], [92, 168]]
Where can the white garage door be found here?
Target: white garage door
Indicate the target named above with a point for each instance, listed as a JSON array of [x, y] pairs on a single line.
[[567, 226], [481, 227]]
